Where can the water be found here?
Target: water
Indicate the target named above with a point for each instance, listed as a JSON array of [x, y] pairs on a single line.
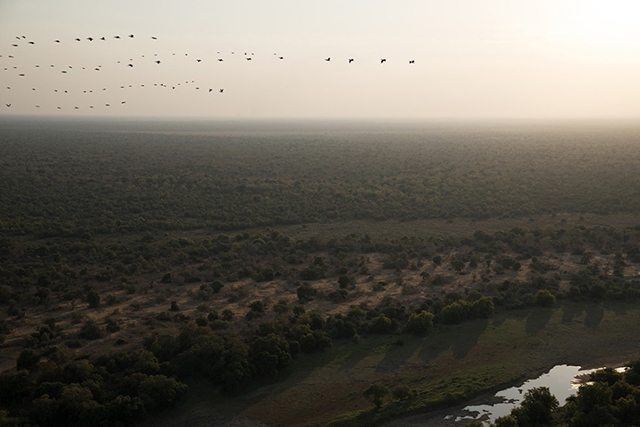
[[562, 381]]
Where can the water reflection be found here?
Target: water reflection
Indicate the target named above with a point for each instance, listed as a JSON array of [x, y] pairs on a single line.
[[561, 381]]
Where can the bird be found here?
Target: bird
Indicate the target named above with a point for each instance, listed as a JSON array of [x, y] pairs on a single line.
[[158, 61], [281, 57], [198, 60], [220, 59], [14, 45], [90, 39], [8, 105], [210, 90], [37, 106], [130, 65], [106, 105], [32, 42], [130, 36], [64, 72], [57, 41], [77, 39], [154, 38], [123, 102], [103, 38], [383, 60], [221, 90], [21, 75], [328, 59], [350, 60], [248, 59], [116, 37], [411, 61]]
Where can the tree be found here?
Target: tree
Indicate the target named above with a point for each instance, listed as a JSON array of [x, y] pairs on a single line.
[[376, 393], [93, 298], [28, 359], [536, 407], [545, 298], [420, 324]]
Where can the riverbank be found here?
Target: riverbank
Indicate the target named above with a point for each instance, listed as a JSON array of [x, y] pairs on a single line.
[[475, 358]]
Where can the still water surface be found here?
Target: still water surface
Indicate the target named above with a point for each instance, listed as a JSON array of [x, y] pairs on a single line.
[[562, 381]]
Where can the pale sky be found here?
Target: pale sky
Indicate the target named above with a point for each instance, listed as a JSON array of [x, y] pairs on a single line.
[[473, 58]]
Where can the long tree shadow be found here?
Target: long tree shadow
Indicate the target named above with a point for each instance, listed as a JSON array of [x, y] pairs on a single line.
[[462, 345], [572, 311], [595, 313], [537, 320]]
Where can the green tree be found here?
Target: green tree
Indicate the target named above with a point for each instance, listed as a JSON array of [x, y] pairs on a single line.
[[376, 393], [28, 359], [419, 323], [544, 298], [536, 408]]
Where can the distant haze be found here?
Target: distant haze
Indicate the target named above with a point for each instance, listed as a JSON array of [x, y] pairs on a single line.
[[473, 59]]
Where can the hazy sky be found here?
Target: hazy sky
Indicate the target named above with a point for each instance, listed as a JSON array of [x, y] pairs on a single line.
[[473, 58]]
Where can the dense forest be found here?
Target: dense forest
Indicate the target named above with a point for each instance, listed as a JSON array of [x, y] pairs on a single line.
[[134, 263], [66, 183]]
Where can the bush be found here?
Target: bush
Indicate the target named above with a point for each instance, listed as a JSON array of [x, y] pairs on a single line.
[[28, 359], [90, 331]]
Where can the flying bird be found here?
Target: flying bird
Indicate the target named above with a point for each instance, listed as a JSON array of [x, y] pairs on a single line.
[[220, 59], [198, 60], [328, 59], [102, 38], [131, 36], [248, 59], [130, 65], [411, 61], [77, 39], [158, 61], [154, 38], [210, 90], [221, 90], [32, 42], [14, 45], [116, 37], [350, 60], [281, 57], [57, 41], [383, 60], [8, 105]]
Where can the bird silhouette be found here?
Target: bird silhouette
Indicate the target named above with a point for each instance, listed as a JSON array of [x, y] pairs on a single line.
[[90, 39], [57, 41], [350, 60], [280, 57], [8, 105], [131, 36], [221, 90], [154, 38], [116, 37], [32, 42], [158, 61], [411, 61], [383, 60], [103, 38], [220, 59], [14, 45], [77, 39], [248, 59], [198, 60], [210, 90], [328, 59]]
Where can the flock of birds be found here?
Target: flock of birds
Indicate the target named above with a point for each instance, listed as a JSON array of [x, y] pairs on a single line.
[[11, 64]]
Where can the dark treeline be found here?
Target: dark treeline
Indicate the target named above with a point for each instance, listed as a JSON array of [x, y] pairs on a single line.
[[66, 183]]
